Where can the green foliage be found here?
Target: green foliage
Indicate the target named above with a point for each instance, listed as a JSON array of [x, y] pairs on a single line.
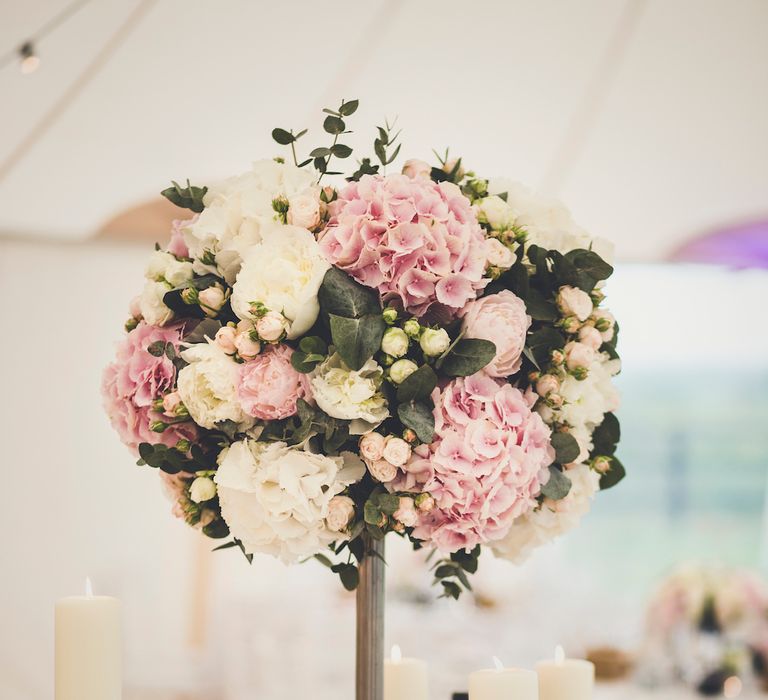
[[558, 486], [365, 168], [418, 417], [451, 573], [235, 543], [357, 339], [606, 435], [349, 575], [468, 355], [614, 475], [339, 294], [384, 141], [418, 386], [188, 197], [311, 351], [566, 448]]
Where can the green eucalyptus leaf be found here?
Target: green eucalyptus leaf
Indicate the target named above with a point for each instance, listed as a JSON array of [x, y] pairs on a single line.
[[419, 418], [188, 197], [320, 152], [341, 295], [614, 475], [334, 125], [349, 108], [558, 486], [566, 448], [418, 385], [357, 339], [606, 435], [590, 263], [341, 151], [468, 356], [283, 137]]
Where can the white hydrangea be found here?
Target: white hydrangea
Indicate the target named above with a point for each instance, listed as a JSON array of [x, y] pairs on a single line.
[[275, 498], [550, 520], [164, 267], [237, 210], [548, 222], [153, 309], [350, 395], [207, 386]]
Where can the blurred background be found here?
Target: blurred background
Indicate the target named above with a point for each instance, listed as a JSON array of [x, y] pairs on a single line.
[[648, 117]]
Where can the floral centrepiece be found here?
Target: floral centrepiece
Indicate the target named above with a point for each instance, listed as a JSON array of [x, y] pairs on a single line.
[[315, 362]]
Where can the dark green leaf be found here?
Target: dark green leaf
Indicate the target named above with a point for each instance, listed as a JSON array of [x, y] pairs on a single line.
[[349, 108], [389, 503], [468, 356], [566, 448], [371, 512], [283, 137], [216, 530], [157, 348], [539, 308], [590, 263], [320, 152], [558, 485], [334, 125], [446, 570], [313, 344], [451, 590], [341, 295], [614, 475], [419, 418], [188, 197], [606, 435], [349, 575], [325, 561], [341, 151], [207, 328], [357, 339], [543, 342], [418, 385]]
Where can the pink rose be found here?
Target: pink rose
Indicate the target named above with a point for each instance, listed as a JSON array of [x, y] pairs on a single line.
[[397, 451], [382, 470], [406, 512], [574, 302], [372, 447], [578, 355], [211, 300], [590, 336], [225, 339], [502, 319], [269, 387], [177, 246], [271, 326], [304, 211], [341, 509], [247, 348], [417, 169], [547, 384], [171, 402]]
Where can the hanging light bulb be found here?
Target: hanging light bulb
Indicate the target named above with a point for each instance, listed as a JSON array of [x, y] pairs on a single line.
[[29, 60]]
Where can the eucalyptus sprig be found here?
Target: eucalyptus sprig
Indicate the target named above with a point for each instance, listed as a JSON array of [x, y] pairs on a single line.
[[385, 140], [288, 138], [334, 124]]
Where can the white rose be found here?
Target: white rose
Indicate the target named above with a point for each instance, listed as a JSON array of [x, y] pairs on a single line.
[[284, 272], [211, 300], [396, 451], [578, 355], [350, 395], [225, 339], [177, 272], [417, 169], [304, 211], [372, 446], [382, 470], [401, 370], [153, 310], [276, 499], [395, 342], [574, 302], [341, 510], [157, 265], [498, 255], [434, 342], [271, 326], [496, 213], [406, 512], [589, 335], [207, 386], [202, 489]]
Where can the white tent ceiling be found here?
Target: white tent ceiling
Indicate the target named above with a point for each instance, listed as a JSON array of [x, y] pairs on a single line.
[[647, 117]]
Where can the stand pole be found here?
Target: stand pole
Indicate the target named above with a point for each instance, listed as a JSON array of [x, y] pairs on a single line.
[[370, 625]]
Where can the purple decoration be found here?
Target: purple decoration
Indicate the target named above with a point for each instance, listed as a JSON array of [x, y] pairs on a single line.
[[745, 245]]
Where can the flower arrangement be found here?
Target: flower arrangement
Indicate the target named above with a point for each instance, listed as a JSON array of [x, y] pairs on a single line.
[[312, 366]]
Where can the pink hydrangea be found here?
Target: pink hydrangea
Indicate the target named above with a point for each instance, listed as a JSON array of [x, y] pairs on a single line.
[[485, 466], [135, 380], [414, 240], [269, 387], [177, 245], [502, 319]]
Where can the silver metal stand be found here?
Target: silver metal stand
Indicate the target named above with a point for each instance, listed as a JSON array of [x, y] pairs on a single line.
[[370, 625]]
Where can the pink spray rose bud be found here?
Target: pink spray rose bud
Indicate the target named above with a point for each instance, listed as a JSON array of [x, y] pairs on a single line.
[[406, 512], [397, 451], [135, 307], [601, 464], [341, 509], [417, 169], [247, 348], [589, 335], [571, 324], [171, 403], [558, 357], [425, 503], [604, 322], [225, 339], [547, 384], [304, 211], [211, 300], [382, 470], [574, 302], [409, 435], [498, 255], [449, 167], [578, 355], [271, 326], [372, 447]]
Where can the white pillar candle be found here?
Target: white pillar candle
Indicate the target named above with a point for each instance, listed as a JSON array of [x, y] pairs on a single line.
[[88, 648], [565, 679], [503, 684], [404, 679]]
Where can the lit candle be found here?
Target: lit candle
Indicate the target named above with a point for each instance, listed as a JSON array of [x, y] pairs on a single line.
[[501, 683], [565, 679], [88, 647], [404, 679]]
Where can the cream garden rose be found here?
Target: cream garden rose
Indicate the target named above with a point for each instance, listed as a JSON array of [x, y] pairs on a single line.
[[151, 305], [304, 211], [574, 302], [284, 273], [277, 499]]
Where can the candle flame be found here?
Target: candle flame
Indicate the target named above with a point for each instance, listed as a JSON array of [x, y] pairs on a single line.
[[497, 663], [396, 655], [88, 587], [559, 654]]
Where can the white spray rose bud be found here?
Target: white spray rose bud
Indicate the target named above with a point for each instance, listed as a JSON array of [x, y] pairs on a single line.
[[395, 342], [225, 339], [495, 212], [341, 509], [547, 384], [401, 370], [202, 489], [578, 355], [417, 169], [425, 502], [211, 300], [397, 451], [571, 324], [498, 255], [406, 512], [574, 302], [372, 447], [382, 471], [158, 262], [246, 347], [271, 326], [412, 328], [589, 335], [389, 315], [604, 322], [434, 342]]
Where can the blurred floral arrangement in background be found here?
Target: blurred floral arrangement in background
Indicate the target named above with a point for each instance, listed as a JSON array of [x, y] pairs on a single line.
[[707, 626], [312, 366]]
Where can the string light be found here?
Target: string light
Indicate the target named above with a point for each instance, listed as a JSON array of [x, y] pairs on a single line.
[[29, 60]]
